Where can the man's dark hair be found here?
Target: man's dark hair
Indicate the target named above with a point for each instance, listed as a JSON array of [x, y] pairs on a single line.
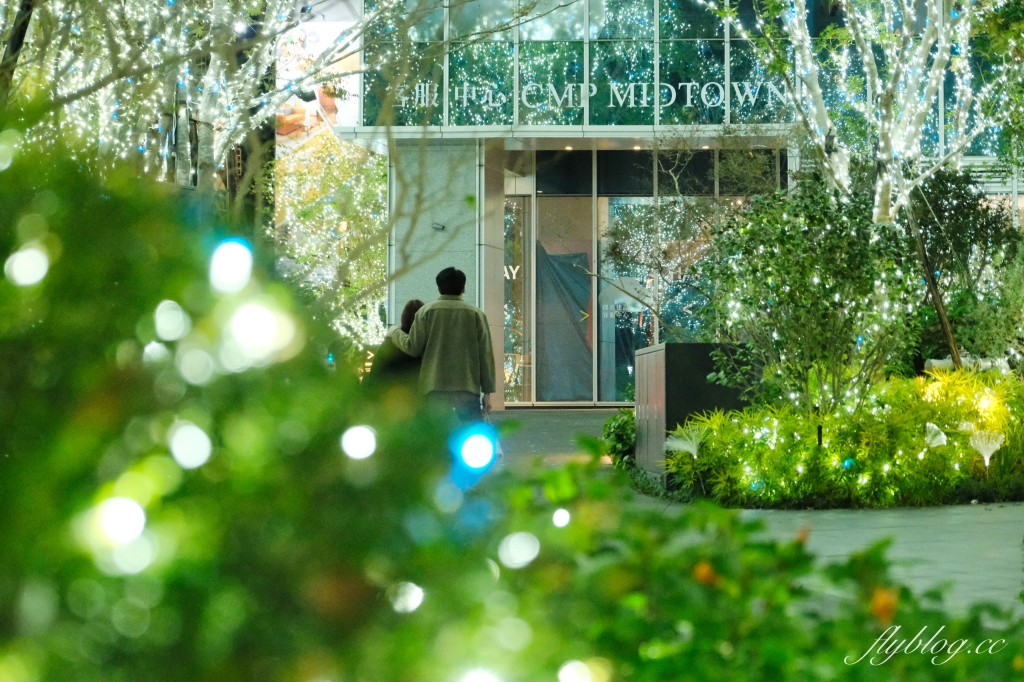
[[409, 313], [451, 282]]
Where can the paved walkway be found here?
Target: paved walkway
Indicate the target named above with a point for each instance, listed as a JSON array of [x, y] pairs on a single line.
[[975, 549]]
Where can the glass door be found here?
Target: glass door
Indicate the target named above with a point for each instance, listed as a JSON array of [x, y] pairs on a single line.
[[518, 299], [564, 324]]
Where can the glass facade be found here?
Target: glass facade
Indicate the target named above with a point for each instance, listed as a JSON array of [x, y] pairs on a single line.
[[602, 233], [609, 63], [604, 62], [518, 214]]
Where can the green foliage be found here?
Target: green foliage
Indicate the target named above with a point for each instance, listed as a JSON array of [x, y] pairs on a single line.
[[331, 228], [911, 444], [817, 294], [619, 438], [282, 559], [974, 247]]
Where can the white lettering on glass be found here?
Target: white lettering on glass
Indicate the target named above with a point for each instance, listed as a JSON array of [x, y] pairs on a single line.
[[744, 94], [526, 91], [721, 95], [556, 100], [630, 90], [689, 92], [672, 92]]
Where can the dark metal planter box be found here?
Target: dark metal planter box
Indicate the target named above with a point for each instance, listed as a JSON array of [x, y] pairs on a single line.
[[672, 384]]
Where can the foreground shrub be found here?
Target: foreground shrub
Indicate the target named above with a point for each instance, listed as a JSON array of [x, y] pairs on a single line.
[[279, 558], [916, 442]]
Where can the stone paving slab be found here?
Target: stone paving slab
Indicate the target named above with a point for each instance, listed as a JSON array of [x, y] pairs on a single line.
[[976, 549]]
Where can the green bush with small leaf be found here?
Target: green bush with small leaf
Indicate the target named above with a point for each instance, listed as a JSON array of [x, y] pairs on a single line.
[[619, 438], [279, 558]]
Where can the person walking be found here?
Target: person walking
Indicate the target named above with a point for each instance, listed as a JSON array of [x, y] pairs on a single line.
[[390, 365], [454, 343]]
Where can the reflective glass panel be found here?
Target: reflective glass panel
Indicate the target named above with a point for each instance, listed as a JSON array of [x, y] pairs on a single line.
[[683, 230], [561, 172], [960, 121], [625, 173], [517, 324], [402, 85], [564, 328], [622, 79], [692, 82], [843, 86], [626, 231], [686, 172], [481, 19], [622, 19], [744, 172], [554, 20], [551, 83], [480, 84], [685, 19], [755, 95], [417, 20]]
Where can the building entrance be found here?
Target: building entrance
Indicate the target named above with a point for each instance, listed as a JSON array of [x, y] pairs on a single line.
[[569, 338]]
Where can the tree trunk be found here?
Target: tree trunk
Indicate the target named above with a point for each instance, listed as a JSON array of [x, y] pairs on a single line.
[[12, 52], [933, 289]]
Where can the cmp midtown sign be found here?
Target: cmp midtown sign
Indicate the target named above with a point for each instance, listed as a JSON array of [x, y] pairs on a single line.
[[708, 95]]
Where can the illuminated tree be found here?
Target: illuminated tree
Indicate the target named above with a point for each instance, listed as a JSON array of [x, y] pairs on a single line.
[[888, 62], [330, 228]]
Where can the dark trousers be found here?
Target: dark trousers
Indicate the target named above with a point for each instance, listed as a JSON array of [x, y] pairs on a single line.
[[464, 405]]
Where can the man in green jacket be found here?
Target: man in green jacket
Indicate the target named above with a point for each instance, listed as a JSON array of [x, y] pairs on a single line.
[[454, 342]]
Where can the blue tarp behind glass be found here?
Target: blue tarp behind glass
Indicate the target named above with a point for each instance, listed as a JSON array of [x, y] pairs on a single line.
[[564, 356]]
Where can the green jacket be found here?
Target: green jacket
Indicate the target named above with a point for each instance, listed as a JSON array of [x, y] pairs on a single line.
[[454, 342]]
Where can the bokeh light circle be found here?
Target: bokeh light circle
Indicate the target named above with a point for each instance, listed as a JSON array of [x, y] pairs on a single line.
[[359, 442], [189, 444], [121, 519], [255, 329], [479, 676], [560, 518], [407, 597], [477, 451], [518, 549], [575, 671], [230, 266], [27, 266], [172, 323]]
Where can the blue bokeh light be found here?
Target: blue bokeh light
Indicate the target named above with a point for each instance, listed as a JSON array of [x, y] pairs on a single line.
[[475, 449]]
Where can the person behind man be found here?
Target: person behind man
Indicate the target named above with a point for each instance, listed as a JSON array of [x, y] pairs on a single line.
[[390, 364], [454, 342]]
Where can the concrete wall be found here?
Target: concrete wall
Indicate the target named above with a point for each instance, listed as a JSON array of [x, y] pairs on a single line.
[[432, 182], [458, 184]]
